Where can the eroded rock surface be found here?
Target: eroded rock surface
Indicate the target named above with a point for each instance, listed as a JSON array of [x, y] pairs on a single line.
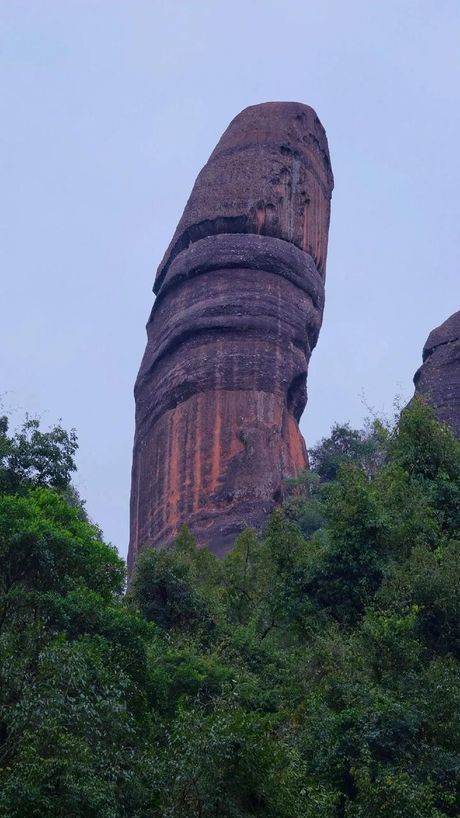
[[438, 379], [240, 296]]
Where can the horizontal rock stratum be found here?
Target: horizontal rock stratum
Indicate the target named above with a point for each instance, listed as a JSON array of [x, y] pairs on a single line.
[[438, 379], [239, 305]]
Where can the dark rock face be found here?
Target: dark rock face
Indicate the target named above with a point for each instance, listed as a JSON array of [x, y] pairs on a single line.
[[438, 379], [240, 295]]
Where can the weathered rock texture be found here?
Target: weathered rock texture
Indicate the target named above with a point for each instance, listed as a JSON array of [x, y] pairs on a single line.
[[239, 305], [438, 379]]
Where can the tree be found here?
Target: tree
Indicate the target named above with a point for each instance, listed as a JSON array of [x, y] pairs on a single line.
[[366, 448], [314, 672], [303, 504], [31, 457], [75, 734], [169, 585]]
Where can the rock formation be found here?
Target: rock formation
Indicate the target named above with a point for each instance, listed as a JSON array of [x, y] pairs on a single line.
[[239, 304], [438, 379]]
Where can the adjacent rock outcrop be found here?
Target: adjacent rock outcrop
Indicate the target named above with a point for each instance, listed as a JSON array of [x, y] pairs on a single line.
[[438, 379], [239, 305]]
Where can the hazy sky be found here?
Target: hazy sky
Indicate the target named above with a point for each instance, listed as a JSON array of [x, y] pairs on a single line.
[[109, 108]]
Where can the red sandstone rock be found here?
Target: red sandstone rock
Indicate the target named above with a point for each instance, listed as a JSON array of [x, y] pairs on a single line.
[[438, 379], [240, 295]]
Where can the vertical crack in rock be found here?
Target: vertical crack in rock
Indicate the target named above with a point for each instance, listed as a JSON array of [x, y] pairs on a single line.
[[438, 379], [239, 305]]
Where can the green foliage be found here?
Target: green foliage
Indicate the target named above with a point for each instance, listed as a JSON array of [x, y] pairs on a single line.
[[349, 569], [315, 672], [303, 504], [366, 448], [44, 545], [242, 573], [74, 736], [34, 458], [167, 586]]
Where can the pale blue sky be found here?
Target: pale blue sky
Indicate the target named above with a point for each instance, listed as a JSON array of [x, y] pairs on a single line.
[[109, 108]]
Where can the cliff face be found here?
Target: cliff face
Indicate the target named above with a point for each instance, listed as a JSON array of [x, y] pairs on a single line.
[[239, 305], [438, 379]]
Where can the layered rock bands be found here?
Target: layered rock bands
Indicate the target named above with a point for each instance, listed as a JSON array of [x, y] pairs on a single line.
[[238, 309], [438, 379]]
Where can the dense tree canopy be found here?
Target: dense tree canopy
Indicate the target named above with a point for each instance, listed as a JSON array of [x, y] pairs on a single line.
[[315, 672]]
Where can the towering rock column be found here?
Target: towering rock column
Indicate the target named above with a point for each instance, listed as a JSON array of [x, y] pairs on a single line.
[[239, 304], [438, 379]]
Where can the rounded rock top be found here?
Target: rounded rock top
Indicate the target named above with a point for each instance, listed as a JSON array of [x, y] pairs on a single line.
[[269, 174], [447, 332]]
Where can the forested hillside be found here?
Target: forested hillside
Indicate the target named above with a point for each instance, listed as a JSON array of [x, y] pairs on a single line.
[[313, 673]]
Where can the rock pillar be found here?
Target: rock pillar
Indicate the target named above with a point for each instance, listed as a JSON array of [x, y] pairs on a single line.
[[438, 379], [239, 305]]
